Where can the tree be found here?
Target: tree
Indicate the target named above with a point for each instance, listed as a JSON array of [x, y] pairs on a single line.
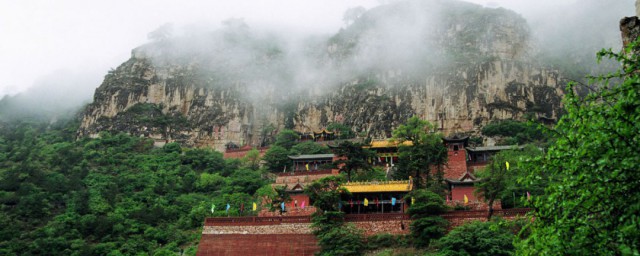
[[498, 182], [426, 152], [287, 139], [592, 203], [477, 238], [280, 195], [514, 132], [344, 131], [252, 159], [309, 147], [334, 236], [353, 157], [325, 193], [276, 158], [427, 223]]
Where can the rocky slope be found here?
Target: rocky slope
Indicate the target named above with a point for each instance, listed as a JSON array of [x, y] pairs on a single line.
[[455, 64]]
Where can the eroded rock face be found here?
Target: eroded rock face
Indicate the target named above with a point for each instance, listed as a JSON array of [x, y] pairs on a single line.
[[459, 71]]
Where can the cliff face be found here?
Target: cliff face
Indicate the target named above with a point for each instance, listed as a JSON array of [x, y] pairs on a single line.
[[455, 64]]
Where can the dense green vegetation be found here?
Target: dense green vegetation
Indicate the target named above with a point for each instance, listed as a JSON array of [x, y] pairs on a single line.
[[114, 195], [499, 182], [427, 223], [592, 203], [493, 238], [511, 132], [354, 158]]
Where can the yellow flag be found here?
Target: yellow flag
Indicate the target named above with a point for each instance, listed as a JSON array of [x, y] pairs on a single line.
[[366, 202], [466, 200], [307, 165], [507, 164], [413, 200], [255, 206]]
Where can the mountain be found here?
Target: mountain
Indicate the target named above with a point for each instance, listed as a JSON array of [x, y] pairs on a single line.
[[456, 64]]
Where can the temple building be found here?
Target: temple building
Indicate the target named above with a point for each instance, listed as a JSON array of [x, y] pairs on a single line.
[[376, 197], [312, 163], [386, 151], [460, 170], [304, 170]]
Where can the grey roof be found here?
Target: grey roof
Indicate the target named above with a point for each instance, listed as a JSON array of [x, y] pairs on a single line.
[[493, 148], [311, 157], [450, 181]]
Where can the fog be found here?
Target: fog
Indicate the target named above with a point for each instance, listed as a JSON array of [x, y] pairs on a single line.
[[87, 38]]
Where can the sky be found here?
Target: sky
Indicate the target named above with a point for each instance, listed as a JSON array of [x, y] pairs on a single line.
[[85, 39]]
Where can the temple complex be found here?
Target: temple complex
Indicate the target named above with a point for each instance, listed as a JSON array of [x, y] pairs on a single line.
[[375, 207]]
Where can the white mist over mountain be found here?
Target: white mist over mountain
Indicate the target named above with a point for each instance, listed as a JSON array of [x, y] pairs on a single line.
[[87, 38]]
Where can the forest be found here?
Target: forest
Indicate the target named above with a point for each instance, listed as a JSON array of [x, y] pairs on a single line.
[[113, 195]]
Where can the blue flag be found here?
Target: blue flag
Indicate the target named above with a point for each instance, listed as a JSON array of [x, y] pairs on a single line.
[[228, 206], [393, 201], [282, 206]]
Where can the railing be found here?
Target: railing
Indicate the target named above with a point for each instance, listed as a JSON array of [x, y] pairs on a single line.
[[276, 220], [305, 172]]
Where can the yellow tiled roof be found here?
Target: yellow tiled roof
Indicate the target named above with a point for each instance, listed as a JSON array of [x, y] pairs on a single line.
[[382, 186], [388, 144]]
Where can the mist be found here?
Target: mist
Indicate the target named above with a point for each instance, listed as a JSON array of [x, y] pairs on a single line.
[[283, 46]]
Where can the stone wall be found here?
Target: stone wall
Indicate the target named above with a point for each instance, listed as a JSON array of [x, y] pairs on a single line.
[[284, 228], [394, 227]]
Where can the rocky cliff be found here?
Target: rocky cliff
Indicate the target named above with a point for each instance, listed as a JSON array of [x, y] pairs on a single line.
[[455, 64]]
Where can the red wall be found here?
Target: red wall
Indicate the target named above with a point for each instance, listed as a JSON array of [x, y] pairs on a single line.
[[457, 193], [457, 165], [250, 244]]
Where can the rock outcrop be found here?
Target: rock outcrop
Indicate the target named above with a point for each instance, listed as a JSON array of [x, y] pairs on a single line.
[[455, 64]]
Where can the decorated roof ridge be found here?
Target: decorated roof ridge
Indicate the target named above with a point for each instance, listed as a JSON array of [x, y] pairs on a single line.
[[470, 175], [388, 143], [463, 179], [315, 156], [380, 186], [378, 182]]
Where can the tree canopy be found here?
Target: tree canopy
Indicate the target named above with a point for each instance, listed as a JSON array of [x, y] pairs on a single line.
[[353, 158], [592, 204], [113, 195], [427, 152]]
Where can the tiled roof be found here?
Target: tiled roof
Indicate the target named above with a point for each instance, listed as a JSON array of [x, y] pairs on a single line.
[[387, 144]]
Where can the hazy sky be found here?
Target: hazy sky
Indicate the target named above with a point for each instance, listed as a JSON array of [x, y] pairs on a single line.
[[42, 37]]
